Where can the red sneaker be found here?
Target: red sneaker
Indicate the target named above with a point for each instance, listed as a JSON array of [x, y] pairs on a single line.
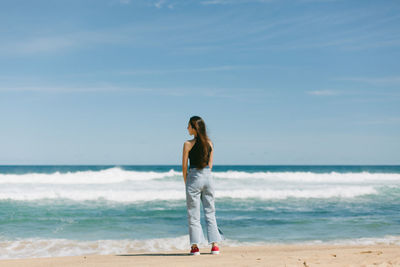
[[195, 251], [215, 250]]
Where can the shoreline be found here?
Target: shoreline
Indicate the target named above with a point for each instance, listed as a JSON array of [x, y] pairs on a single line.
[[270, 255]]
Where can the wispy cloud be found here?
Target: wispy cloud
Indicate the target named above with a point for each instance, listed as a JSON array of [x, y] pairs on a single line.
[[45, 44], [59, 42], [163, 3], [379, 121], [389, 80], [225, 2], [305, 30], [319, 1], [146, 34], [187, 70], [68, 89], [159, 3], [345, 31], [214, 92], [323, 92]]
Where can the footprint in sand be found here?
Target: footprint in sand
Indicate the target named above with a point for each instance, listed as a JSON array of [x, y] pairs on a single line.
[[369, 251]]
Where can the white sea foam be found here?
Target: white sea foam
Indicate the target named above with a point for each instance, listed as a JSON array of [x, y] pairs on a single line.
[[151, 195], [108, 176], [39, 248], [118, 185], [35, 248], [311, 177], [364, 241], [343, 192], [118, 175]]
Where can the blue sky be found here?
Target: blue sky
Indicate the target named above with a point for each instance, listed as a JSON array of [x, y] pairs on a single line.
[[277, 82]]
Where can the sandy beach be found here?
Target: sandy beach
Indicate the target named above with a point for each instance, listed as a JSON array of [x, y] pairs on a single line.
[[278, 255]]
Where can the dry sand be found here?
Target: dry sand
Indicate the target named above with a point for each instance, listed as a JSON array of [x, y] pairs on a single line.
[[279, 255]]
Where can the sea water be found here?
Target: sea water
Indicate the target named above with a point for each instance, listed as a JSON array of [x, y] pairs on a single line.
[[76, 210]]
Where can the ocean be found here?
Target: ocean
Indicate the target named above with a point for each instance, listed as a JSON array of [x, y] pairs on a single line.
[[48, 211]]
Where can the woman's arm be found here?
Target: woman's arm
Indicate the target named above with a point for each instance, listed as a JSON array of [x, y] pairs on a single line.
[[185, 155], [210, 161]]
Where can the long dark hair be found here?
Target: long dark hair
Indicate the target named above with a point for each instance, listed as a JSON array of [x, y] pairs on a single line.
[[198, 124]]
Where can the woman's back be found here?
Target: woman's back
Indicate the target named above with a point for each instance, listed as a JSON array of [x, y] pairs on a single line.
[[195, 155]]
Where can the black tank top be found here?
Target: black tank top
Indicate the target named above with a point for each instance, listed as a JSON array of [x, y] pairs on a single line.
[[195, 157]]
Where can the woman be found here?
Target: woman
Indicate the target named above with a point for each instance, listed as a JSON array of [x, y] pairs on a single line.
[[199, 186]]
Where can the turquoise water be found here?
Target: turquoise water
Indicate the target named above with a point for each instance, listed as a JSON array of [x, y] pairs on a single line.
[[74, 210]]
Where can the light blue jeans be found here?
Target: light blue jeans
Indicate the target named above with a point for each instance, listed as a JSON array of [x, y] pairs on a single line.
[[200, 187]]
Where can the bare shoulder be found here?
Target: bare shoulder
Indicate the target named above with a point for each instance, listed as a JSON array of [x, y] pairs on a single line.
[[211, 143], [189, 144]]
